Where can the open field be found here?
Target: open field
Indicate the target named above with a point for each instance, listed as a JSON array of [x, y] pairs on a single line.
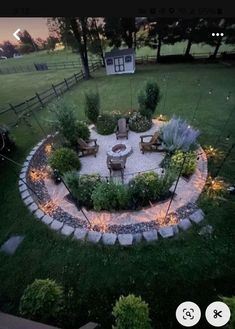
[[190, 267]]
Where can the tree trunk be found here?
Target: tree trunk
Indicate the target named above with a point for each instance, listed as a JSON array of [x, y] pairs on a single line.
[[159, 48], [187, 51], [82, 46], [217, 48], [98, 37]]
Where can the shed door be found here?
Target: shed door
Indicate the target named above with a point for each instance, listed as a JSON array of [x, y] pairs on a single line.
[[119, 64]]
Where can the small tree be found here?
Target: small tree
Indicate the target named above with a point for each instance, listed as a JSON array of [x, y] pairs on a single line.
[[131, 312], [42, 300], [92, 106], [230, 301], [149, 98]]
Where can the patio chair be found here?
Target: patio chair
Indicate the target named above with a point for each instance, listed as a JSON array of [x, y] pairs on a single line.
[[116, 165], [122, 128], [154, 144], [85, 148]]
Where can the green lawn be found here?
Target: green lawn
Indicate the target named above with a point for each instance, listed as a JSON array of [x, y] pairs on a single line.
[[165, 274]]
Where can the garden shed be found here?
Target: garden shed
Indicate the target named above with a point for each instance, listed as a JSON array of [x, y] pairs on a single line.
[[120, 61]]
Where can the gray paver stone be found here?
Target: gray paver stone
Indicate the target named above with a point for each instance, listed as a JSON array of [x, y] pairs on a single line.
[[184, 224], [197, 216], [67, 230], [23, 187], [175, 229], [166, 232], [23, 175], [10, 246], [94, 236], [125, 239], [25, 194], [109, 238], [137, 237], [80, 234], [47, 219], [39, 214], [206, 230], [33, 207], [150, 235], [28, 201], [56, 225]]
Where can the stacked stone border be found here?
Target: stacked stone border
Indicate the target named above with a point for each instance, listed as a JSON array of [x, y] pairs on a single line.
[[92, 236]]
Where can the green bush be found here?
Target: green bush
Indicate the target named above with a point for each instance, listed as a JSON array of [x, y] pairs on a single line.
[[42, 300], [142, 189], [131, 312], [230, 301], [139, 123], [106, 124], [82, 187], [92, 106], [149, 98], [189, 165], [110, 196], [64, 159], [82, 130], [165, 182]]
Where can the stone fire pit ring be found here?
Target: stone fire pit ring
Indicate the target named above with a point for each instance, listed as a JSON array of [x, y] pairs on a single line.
[[120, 150]]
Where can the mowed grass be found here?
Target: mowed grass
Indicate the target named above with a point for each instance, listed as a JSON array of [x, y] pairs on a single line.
[[165, 274]]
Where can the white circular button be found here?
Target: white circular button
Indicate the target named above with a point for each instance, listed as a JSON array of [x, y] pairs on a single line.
[[218, 314], [188, 314]]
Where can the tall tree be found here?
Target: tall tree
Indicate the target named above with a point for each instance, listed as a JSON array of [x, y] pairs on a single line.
[[216, 25], [118, 29], [27, 39], [96, 44], [8, 49], [73, 30]]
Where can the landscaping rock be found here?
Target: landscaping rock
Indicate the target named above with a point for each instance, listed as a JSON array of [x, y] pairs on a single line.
[[24, 169], [150, 236], [80, 234], [29, 158], [67, 230], [206, 230], [23, 187], [137, 237], [33, 207], [197, 216], [39, 214], [94, 236], [56, 225], [109, 238], [166, 232], [23, 175], [28, 201], [47, 219], [10, 246], [25, 194], [185, 224], [125, 239]]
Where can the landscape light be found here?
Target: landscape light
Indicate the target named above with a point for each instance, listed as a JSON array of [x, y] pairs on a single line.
[[217, 34]]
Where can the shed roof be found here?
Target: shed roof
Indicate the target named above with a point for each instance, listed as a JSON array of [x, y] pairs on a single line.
[[118, 52]]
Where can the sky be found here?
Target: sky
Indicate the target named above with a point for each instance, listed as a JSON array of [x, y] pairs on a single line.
[[35, 26]]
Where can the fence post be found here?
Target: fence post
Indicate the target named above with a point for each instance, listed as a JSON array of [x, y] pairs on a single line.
[[13, 108], [82, 73], [66, 82], [76, 80], [54, 90], [40, 100]]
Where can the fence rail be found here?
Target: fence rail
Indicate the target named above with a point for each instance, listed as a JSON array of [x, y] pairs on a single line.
[[14, 113]]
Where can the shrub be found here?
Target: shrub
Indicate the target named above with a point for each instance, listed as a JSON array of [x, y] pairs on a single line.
[[106, 124], [82, 130], [230, 301], [64, 159], [92, 106], [189, 165], [82, 187], [178, 135], [42, 300], [110, 196], [142, 189], [131, 312], [149, 98], [65, 121], [139, 123], [165, 182]]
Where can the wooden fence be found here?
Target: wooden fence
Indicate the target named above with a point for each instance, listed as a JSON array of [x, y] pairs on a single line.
[[14, 113]]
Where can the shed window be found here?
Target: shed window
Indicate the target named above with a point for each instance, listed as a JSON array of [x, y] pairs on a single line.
[[109, 61], [128, 59]]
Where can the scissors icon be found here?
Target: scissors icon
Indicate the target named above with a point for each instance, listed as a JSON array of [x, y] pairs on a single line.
[[216, 314]]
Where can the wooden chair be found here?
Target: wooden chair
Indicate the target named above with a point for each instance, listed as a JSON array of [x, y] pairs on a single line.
[[116, 165], [154, 144], [122, 128], [85, 148]]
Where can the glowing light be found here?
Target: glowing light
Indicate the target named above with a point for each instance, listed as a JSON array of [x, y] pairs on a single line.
[[37, 175], [48, 149], [189, 126], [49, 207]]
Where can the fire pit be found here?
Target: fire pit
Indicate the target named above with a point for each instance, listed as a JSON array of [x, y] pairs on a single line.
[[119, 150]]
